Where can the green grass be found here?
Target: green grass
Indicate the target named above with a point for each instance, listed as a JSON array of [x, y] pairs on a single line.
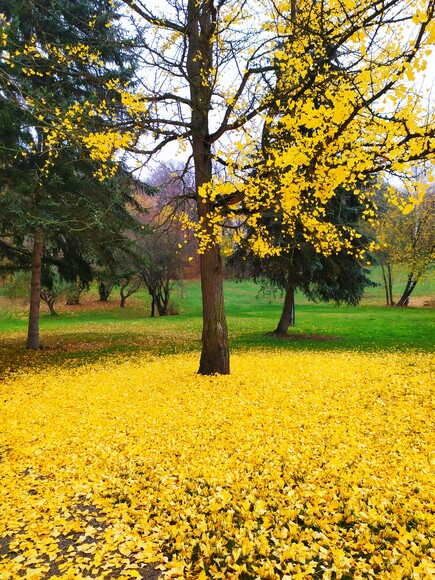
[[91, 331]]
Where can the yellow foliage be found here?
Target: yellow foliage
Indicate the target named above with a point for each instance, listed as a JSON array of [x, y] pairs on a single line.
[[344, 104], [298, 465]]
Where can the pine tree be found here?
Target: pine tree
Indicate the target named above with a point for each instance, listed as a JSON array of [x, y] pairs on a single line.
[[339, 277], [44, 205]]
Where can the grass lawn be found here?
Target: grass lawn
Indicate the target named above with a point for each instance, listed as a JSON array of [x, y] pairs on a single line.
[[85, 333], [314, 459]]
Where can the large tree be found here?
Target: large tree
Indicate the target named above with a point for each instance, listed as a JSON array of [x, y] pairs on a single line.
[[46, 201], [209, 76], [337, 276]]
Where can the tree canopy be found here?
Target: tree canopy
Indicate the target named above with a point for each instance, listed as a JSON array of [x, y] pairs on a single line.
[[406, 241], [296, 265]]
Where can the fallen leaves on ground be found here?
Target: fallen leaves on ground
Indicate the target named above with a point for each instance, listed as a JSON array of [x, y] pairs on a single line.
[[296, 466]]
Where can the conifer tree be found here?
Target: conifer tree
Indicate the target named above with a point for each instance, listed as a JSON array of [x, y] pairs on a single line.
[[40, 206], [338, 277]]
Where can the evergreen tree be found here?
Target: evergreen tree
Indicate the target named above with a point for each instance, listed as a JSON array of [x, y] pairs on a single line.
[[339, 277], [56, 210]]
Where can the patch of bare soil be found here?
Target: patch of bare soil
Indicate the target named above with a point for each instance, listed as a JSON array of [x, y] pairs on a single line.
[[92, 518], [91, 303], [422, 301], [86, 303]]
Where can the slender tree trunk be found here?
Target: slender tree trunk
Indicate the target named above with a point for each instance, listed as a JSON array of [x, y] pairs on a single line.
[[410, 285], [35, 291], [390, 284], [153, 306], [128, 291], [384, 276], [121, 292], [288, 312], [50, 304]]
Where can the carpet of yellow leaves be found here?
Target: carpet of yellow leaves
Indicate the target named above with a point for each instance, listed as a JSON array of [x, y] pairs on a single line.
[[297, 466]]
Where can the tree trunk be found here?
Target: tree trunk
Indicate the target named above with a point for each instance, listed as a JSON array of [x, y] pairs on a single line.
[[35, 291], [288, 312], [410, 285], [50, 304], [104, 290], [384, 276], [390, 284], [161, 306], [215, 353], [161, 298], [153, 307], [129, 291], [125, 295], [201, 28]]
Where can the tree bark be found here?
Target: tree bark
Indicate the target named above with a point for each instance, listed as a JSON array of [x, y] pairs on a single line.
[[215, 352], [410, 285], [128, 291], [162, 307], [50, 304], [384, 276], [288, 312], [104, 290], [35, 291], [201, 27], [390, 284]]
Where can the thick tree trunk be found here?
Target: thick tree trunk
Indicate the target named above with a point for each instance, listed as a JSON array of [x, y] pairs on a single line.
[[215, 353], [288, 312], [104, 290], [215, 357], [162, 308], [161, 299], [122, 302], [201, 30], [35, 291]]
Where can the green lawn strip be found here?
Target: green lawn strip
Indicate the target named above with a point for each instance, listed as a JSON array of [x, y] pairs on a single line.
[[84, 334]]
